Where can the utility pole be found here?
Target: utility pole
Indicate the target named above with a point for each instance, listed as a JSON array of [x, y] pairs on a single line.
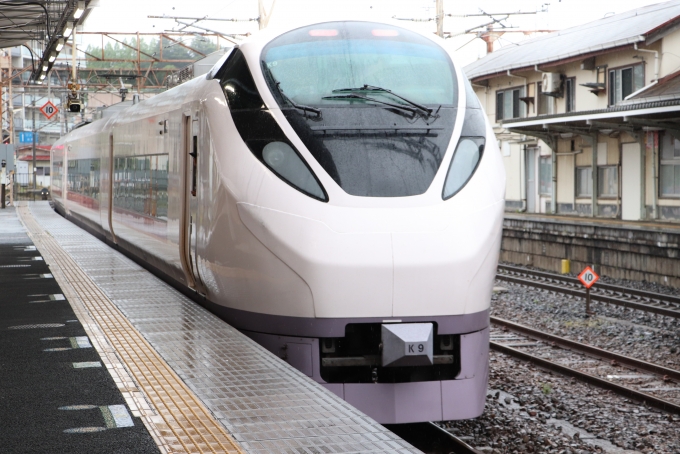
[[440, 18], [264, 16]]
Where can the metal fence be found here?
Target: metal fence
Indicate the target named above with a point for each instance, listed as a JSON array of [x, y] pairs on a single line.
[[23, 189]]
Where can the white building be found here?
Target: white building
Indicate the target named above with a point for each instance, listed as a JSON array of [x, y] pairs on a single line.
[[590, 116]]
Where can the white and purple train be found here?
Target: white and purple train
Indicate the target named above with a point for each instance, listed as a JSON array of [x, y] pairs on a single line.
[[334, 191]]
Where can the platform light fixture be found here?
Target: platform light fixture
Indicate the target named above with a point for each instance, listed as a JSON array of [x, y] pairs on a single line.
[[60, 44], [42, 76], [53, 56], [68, 29], [80, 9], [45, 67]]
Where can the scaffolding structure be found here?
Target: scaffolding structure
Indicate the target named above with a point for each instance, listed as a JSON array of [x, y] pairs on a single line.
[[107, 63]]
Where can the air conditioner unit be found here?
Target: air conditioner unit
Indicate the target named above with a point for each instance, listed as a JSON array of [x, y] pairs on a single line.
[[551, 83]]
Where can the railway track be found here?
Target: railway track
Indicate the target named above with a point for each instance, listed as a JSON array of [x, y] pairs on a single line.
[[432, 439], [668, 305], [653, 384]]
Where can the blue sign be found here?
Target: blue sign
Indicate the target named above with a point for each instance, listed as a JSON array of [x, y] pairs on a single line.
[[26, 137]]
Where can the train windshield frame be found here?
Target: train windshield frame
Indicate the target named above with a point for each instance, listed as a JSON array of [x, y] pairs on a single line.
[[309, 65]]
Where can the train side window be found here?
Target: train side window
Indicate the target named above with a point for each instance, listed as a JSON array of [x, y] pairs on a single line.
[[238, 84]]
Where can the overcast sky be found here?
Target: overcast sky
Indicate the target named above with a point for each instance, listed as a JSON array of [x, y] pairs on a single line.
[[131, 15]]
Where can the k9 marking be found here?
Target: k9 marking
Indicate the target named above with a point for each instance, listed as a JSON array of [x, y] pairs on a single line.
[[416, 348]]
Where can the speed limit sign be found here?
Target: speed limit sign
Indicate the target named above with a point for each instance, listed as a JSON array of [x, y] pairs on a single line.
[[49, 110], [588, 277]]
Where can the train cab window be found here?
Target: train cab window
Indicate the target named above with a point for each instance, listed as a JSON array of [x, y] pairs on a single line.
[[384, 103], [238, 84], [260, 131], [311, 63]]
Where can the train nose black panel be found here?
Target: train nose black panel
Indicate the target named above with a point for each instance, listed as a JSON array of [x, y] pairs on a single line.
[[374, 152]]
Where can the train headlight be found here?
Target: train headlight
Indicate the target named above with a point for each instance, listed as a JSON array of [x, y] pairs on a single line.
[[464, 163], [287, 164]]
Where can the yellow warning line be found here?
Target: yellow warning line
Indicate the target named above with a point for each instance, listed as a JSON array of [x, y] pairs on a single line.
[[185, 420]]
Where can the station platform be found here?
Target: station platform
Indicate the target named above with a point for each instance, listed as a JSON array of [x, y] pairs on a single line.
[[656, 226], [632, 250], [100, 355]]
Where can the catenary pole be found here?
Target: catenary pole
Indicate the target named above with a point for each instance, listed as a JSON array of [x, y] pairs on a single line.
[[440, 18]]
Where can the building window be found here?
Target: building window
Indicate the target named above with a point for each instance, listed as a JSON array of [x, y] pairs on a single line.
[[608, 181], [584, 181], [625, 81], [669, 183], [545, 175], [508, 104], [569, 85], [545, 102]]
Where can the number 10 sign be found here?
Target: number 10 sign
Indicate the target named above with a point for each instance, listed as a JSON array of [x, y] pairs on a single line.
[[588, 277]]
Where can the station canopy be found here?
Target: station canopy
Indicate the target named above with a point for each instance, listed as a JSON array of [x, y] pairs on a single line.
[[40, 25]]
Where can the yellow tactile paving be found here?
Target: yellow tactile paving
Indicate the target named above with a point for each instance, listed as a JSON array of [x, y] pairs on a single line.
[[181, 422]]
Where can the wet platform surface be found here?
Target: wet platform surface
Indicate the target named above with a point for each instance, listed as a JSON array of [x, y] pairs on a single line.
[[260, 403], [56, 395]]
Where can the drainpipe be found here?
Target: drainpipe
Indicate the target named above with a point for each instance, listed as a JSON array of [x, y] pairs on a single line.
[[553, 198], [656, 60], [522, 182], [655, 177], [656, 72], [593, 198], [643, 174]]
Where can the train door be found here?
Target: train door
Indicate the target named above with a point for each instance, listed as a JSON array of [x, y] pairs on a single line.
[[188, 222], [631, 175]]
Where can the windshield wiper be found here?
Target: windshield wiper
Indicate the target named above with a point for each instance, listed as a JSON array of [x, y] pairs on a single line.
[[277, 84], [294, 104], [374, 89], [368, 98]]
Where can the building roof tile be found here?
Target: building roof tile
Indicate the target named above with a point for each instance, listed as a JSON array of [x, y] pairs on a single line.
[[646, 24]]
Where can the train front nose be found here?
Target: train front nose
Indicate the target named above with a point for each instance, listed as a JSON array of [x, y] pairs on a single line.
[[384, 269], [349, 274]]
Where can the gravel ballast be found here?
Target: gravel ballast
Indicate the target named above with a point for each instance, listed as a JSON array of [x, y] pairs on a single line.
[[531, 410]]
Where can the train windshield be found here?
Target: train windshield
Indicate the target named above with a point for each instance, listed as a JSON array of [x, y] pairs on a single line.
[[312, 64], [374, 104]]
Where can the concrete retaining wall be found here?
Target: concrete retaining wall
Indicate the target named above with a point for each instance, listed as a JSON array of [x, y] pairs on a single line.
[[617, 251]]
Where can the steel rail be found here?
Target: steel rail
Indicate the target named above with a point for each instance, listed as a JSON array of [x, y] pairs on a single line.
[[598, 286], [660, 306], [591, 379], [588, 349], [430, 438]]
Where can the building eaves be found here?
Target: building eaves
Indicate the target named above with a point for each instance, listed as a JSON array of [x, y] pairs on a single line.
[[551, 63], [672, 105], [604, 34]]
